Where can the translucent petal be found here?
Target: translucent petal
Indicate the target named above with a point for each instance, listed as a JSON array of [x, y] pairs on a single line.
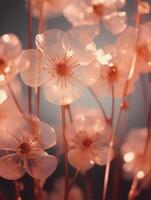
[[10, 46], [33, 68], [88, 74], [40, 165], [61, 94], [49, 42], [11, 167], [47, 136], [81, 160], [116, 22], [7, 141]]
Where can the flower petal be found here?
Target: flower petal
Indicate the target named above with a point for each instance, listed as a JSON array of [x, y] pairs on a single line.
[[33, 68], [11, 167], [40, 165], [10, 46], [49, 42], [81, 160], [61, 94], [47, 136]]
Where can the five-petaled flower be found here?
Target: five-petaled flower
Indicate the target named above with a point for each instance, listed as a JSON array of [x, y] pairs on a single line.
[[64, 62], [24, 145]]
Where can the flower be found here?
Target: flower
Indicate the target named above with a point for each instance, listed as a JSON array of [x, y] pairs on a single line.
[[137, 161], [114, 67], [88, 139], [126, 42], [64, 62], [92, 11], [10, 48], [25, 140], [58, 191], [49, 8]]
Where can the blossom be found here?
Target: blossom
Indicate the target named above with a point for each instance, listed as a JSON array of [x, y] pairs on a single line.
[[88, 139], [92, 11], [137, 161], [10, 48], [64, 62], [58, 192], [49, 8], [114, 67], [25, 141], [126, 42]]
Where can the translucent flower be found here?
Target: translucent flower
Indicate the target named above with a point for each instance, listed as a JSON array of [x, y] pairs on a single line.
[[65, 62], [25, 140], [58, 191], [114, 67], [136, 161], [88, 140], [126, 42], [92, 11], [10, 48], [50, 7]]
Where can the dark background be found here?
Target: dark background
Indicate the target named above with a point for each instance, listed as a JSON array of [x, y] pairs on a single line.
[[13, 18]]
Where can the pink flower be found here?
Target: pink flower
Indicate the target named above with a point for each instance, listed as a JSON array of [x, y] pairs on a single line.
[[64, 62], [92, 11], [50, 7], [136, 161], [25, 140], [58, 191], [114, 67], [126, 42], [10, 48], [88, 140]]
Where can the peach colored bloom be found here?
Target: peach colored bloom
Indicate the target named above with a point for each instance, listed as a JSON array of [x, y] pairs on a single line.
[[50, 8], [88, 139], [26, 139], [92, 11], [10, 48], [135, 162], [66, 63], [58, 191], [126, 43], [114, 67]]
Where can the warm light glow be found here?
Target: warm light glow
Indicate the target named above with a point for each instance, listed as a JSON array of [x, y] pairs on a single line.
[[128, 157], [7, 69], [140, 175], [6, 37], [3, 96], [2, 77]]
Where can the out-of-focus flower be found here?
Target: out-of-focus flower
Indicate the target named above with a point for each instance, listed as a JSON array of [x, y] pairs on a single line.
[[88, 139], [136, 161], [10, 48], [64, 62], [49, 8], [126, 43], [114, 67], [144, 7], [92, 11], [58, 191], [26, 139]]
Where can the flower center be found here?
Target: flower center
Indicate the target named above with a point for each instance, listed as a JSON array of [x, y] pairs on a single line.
[[143, 52], [112, 74], [62, 69], [98, 9], [87, 142], [2, 66], [24, 148]]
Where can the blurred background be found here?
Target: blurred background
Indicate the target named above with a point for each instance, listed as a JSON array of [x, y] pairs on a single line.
[[13, 19]]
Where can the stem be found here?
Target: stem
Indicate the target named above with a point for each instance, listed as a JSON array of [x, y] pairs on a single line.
[[65, 150], [99, 104], [113, 104], [133, 191], [14, 98], [29, 46], [72, 181], [68, 107]]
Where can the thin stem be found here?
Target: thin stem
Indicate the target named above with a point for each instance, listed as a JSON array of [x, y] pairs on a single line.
[[70, 113], [113, 104], [14, 98], [29, 46], [99, 104], [72, 181], [133, 191], [63, 116]]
